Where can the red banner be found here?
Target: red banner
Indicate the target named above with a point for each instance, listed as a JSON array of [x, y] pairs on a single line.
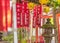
[[37, 16], [39, 9], [7, 14], [27, 18], [5, 11], [18, 11], [1, 16], [22, 14], [34, 16], [25, 14]]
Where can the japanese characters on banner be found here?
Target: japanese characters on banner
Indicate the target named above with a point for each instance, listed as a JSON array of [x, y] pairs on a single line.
[[37, 16], [26, 14], [34, 16], [27, 17], [18, 12], [22, 14]]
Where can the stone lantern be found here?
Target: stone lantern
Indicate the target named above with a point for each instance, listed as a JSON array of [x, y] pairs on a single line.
[[47, 34]]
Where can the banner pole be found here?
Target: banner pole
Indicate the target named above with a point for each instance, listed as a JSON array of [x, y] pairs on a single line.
[[31, 17], [14, 22]]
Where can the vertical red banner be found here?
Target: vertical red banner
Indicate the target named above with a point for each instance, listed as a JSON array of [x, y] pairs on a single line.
[[34, 16], [1, 16], [37, 16], [27, 18], [27, 15], [18, 12], [39, 13], [9, 16], [37, 19], [22, 14], [6, 14]]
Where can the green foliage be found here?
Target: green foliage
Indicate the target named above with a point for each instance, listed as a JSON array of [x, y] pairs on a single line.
[[8, 38], [22, 35], [19, 34], [53, 3]]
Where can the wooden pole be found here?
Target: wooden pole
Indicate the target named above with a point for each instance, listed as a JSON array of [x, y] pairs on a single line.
[[36, 33], [31, 20]]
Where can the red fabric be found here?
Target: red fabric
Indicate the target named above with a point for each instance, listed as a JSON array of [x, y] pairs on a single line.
[[11, 16], [18, 11], [1, 17], [34, 16], [6, 12], [22, 14], [37, 16], [27, 18], [39, 13], [9, 23], [6, 25]]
